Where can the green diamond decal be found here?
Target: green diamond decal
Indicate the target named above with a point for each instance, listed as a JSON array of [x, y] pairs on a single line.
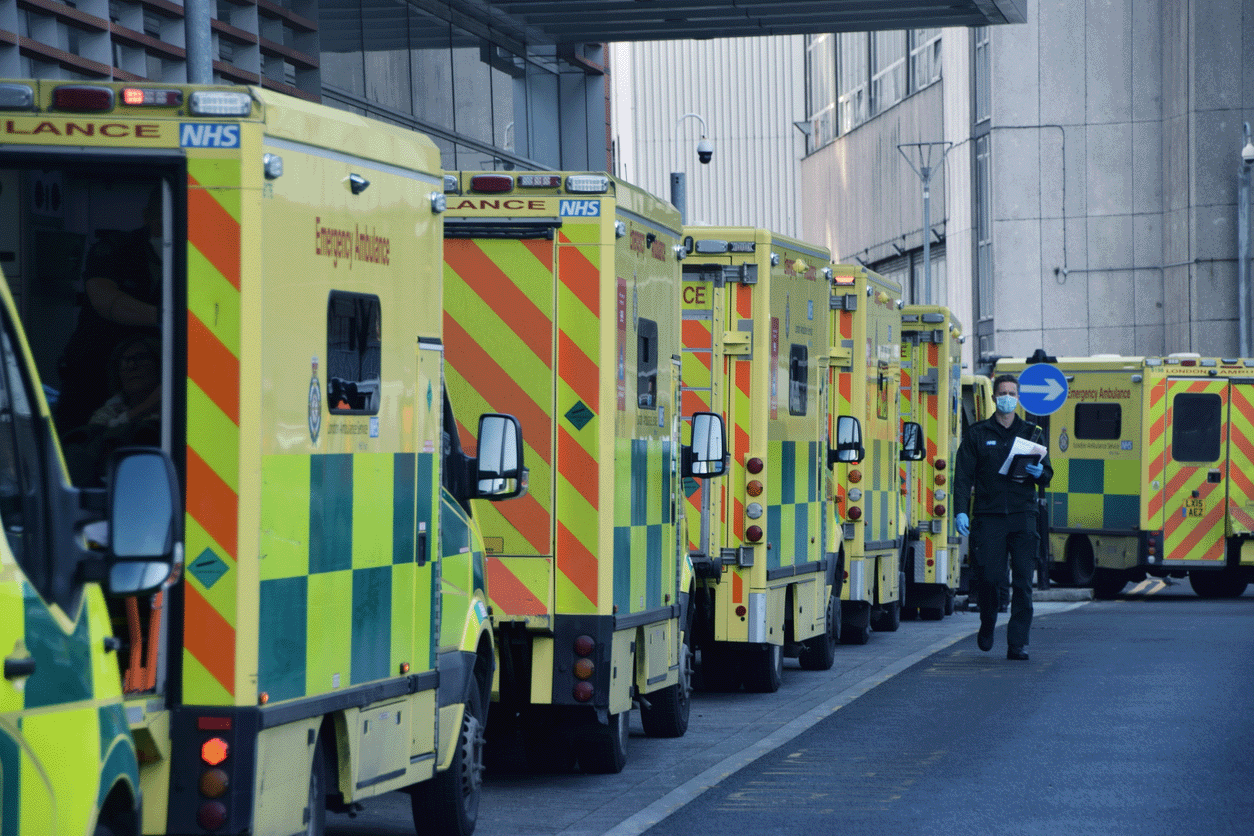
[[579, 415], [208, 568], [691, 486]]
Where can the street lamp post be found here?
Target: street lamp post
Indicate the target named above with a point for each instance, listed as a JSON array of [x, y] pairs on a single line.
[[705, 150], [1243, 242], [924, 169]]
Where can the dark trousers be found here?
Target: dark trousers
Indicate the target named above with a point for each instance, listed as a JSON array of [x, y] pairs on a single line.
[[993, 537]]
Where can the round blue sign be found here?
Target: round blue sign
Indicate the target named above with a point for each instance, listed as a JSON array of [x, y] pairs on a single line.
[[1042, 389]]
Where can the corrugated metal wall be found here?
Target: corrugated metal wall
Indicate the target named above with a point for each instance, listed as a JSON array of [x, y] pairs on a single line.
[[749, 91]]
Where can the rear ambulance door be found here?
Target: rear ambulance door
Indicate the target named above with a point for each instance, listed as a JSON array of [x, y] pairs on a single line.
[[1195, 483], [1241, 457], [702, 383]]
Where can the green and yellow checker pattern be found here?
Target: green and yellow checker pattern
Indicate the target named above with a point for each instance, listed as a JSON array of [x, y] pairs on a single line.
[[644, 548], [64, 738], [1095, 493], [342, 598]]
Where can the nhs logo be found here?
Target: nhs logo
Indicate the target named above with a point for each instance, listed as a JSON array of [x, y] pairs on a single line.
[[195, 135], [580, 209]]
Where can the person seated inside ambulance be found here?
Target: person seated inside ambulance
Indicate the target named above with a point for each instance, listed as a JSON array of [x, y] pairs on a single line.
[[131, 416], [122, 281]]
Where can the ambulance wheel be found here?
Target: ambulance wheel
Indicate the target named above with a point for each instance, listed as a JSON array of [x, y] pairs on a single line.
[[1107, 583], [763, 668], [889, 618], [604, 750], [856, 628], [949, 601], [1081, 565], [909, 613], [316, 810], [1222, 584], [819, 653], [547, 753], [668, 709], [448, 804], [931, 613]]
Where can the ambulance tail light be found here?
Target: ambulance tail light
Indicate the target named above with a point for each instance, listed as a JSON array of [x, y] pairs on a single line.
[[754, 465], [938, 509], [492, 183], [584, 668], [17, 97], [220, 103], [214, 781], [148, 97], [939, 464], [753, 533], [82, 98], [587, 184], [855, 513]]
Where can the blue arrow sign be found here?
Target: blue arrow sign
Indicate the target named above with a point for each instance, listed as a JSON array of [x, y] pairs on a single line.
[[1042, 389]]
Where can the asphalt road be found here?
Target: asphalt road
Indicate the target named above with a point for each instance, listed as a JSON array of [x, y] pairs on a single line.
[[1131, 716]]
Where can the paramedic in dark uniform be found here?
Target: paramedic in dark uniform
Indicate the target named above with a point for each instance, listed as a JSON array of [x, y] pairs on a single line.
[[1003, 515]]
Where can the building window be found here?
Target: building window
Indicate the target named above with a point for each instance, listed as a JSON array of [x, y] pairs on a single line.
[[820, 90], [888, 69], [983, 75], [852, 80], [983, 227], [354, 353], [940, 289], [925, 58]]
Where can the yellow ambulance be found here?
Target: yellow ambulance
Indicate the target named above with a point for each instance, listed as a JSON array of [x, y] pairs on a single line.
[[562, 307], [1153, 461], [252, 282], [755, 352], [931, 396], [868, 511]]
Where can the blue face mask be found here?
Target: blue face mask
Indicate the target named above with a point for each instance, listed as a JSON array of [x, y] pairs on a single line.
[[1006, 403]]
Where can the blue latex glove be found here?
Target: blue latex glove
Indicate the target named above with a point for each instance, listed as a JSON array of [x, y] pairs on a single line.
[[1034, 470], [963, 524]]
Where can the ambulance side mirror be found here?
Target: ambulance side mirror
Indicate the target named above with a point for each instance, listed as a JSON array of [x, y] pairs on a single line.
[[706, 457], [848, 447], [911, 442], [145, 520], [499, 470]]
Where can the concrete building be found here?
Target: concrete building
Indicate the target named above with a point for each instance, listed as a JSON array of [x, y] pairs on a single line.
[[1084, 166]]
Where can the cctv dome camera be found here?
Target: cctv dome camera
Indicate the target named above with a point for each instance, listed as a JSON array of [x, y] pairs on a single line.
[[705, 150]]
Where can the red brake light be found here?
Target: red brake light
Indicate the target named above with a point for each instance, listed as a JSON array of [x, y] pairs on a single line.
[[855, 513], [754, 465], [753, 533], [83, 99], [584, 645], [493, 183], [214, 751]]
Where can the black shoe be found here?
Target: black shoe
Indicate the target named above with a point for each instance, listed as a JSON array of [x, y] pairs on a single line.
[[1016, 653], [984, 638]]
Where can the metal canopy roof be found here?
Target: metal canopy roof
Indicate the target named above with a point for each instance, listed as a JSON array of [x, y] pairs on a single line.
[[566, 22]]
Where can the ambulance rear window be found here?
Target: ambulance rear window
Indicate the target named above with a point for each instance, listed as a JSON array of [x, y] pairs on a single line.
[[1098, 421], [1195, 427], [354, 353], [798, 379]]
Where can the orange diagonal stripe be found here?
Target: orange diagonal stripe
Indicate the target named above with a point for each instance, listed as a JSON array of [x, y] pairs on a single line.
[[580, 276], [212, 503], [577, 466], [576, 563], [472, 362], [509, 593], [578, 371], [213, 367], [483, 276], [696, 333], [208, 637], [213, 231]]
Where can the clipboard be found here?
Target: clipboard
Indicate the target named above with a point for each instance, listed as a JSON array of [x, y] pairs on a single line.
[[1018, 466]]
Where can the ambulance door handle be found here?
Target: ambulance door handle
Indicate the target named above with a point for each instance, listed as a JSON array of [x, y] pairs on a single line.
[[422, 548], [17, 668]]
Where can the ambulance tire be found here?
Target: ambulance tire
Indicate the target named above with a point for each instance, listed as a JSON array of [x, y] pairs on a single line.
[[819, 653], [949, 601], [762, 667], [856, 628], [909, 613], [668, 710], [1107, 583], [548, 753], [888, 619], [1081, 567], [604, 750], [316, 822], [1222, 584], [448, 804]]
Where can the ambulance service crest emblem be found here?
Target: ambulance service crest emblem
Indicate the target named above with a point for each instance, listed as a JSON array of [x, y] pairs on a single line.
[[315, 404]]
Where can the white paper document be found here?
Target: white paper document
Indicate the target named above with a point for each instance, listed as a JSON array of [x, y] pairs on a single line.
[[1022, 447]]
